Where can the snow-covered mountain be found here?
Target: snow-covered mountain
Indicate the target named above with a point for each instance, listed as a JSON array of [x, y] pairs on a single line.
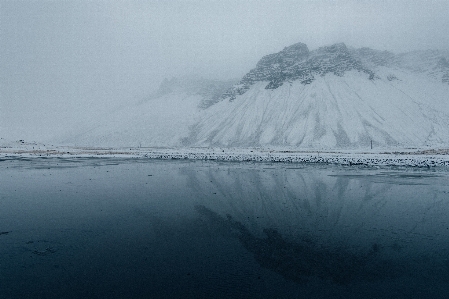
[[329, 98]]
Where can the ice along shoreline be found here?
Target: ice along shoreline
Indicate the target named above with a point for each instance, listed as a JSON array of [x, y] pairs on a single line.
[[367, 159], [410, 158]]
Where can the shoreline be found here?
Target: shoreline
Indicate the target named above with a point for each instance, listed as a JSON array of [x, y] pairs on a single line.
[[396, 157]]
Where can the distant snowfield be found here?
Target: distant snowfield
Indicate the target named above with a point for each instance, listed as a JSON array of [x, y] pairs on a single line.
[[405, 157]]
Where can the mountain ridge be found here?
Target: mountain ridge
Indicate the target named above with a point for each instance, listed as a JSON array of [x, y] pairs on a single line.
[[296, 62], [332, 97]]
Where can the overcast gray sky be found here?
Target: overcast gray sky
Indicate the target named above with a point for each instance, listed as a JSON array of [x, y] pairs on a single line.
[[66, 61]]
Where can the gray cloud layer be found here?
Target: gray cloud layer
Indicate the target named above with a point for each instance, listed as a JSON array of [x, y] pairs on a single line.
[[62, 62]]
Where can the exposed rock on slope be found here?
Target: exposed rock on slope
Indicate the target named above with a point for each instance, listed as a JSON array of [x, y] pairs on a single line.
[[297, 63]]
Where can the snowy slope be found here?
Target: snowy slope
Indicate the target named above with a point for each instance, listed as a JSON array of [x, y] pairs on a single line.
[[332, 112], [330, 98]]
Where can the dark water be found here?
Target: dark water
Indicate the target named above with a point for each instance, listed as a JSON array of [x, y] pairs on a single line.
[[117, 228]]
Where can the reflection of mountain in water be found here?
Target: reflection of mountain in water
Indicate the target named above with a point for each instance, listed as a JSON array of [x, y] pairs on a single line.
[[299, 260], [342, 205], [342, 224]]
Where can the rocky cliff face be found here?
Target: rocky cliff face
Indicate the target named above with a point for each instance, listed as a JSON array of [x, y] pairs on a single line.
[[296, 62]]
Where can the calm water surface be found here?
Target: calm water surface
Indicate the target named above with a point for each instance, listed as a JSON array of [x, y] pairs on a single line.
[[124, 228]]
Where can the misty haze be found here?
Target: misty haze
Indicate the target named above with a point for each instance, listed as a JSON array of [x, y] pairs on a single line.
[[191, 149]]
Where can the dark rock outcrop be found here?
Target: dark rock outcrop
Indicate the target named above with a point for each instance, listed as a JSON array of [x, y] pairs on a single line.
[[296, 62]]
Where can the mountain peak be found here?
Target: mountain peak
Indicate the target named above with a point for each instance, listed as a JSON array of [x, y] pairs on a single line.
[[338, 47], [288, 56], [296, 62], [296, 47], [298, 50]]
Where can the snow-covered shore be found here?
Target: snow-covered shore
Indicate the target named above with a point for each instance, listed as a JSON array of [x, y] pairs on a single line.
[[369, 159], [403, 157]]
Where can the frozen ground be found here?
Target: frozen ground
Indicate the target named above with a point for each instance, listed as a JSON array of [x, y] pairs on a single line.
[[419, 157]]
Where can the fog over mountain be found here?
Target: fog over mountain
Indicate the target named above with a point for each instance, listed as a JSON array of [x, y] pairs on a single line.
[[330, 98], [67, 66]]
